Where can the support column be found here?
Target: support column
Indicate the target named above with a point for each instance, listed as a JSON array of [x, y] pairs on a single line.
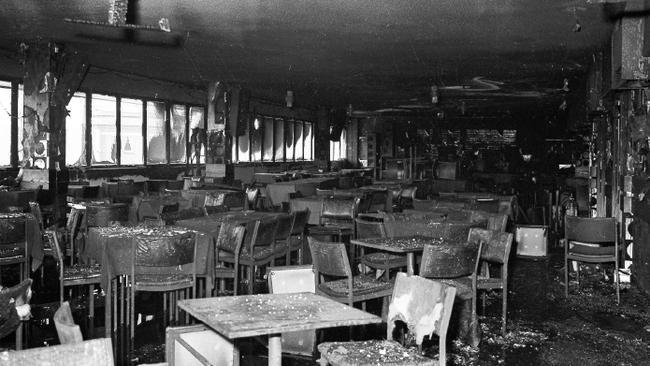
[[51, 77]]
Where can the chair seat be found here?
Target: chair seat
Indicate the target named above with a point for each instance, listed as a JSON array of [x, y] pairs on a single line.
[[463, 286], [163, 280], [374, 352], [361, 285], [486, 283], [82, 272], [331, 230], [259, 253], [591, 249], [384, 260], [11, 252], [224, 272]]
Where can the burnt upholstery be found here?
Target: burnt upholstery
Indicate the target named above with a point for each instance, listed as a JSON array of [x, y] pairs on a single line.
[[424, 305]]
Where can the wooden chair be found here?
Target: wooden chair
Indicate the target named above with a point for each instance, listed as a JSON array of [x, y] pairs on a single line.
[[230, 238], [157, 266], [66, 329], [283, 236], [257, 250], [13, 243], [297, 238], [331, 260], [496, 251], [425, 307], [379, 260], [252, 197], [293, 279], [75, 275], [455, 265], [337, 218], [407, 197], [591, 240]]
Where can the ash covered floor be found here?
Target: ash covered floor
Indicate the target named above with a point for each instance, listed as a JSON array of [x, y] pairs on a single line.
[[544, 328]]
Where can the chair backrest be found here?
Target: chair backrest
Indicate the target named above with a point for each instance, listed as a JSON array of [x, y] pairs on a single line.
[[591, 230], [340, 209], [496, 244], [408, 192], [66, 329], [260, 233], [252, 195], [300, 221], [284, 227], [231, 237], [35, 210], [53, 238], [164, 249], [495, 221], [324, 192], [450, 261], [329, 259], [169, 208], [370, 229], [291, 279], [424, 305]]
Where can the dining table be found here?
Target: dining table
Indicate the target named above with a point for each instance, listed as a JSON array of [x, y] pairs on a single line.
[[273, 314], [279, 192], [407, 245]]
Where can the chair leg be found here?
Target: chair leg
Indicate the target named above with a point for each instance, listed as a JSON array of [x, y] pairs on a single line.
[[578, 274], [19, 336], [618, 284], [251, 279], [504, 310], [566, 277], [91, 310]]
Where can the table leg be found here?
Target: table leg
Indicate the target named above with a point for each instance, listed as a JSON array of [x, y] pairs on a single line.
[[410, 263], [275, 350]]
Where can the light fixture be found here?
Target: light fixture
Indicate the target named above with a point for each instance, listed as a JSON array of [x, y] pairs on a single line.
[[434, 94], [289, 98], [256, 124]]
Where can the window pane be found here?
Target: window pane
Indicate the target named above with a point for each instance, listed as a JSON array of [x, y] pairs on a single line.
[[104, 129], [177, 140], [268, 139], [308, 143], [156, 142], [344, 145], [75, 131], [21, 122], [131, 132], [288, 139], [197, 121], [298, 139], [244, 148], [5, 123], [256, 140], [279, 139]]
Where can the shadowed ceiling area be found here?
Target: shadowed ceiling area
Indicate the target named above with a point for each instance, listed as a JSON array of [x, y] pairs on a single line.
[[369, 53]]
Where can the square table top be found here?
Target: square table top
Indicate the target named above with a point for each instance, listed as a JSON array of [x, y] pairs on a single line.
[[253, 315], [403, 244]]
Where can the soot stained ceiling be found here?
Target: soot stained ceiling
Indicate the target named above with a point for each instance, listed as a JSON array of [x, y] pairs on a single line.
[[369, 53]]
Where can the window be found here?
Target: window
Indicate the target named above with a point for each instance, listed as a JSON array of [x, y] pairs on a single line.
[[156, 141], [338, 149], [178, 138], [288, 139], [5, 123], [256, 140], [298, 140], [131, 132], [104, 129], [75, 131], [197, 120], [279, 139], [308, 141], [21, 122], [268, 139]]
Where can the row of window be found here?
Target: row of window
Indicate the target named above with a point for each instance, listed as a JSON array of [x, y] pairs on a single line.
[[126, 131], [275, 139], [110, 130]]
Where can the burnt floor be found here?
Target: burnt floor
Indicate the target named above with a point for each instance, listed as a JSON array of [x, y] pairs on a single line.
[[544, 328]]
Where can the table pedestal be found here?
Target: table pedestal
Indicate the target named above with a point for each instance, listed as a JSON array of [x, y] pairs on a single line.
[[275, 350]]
